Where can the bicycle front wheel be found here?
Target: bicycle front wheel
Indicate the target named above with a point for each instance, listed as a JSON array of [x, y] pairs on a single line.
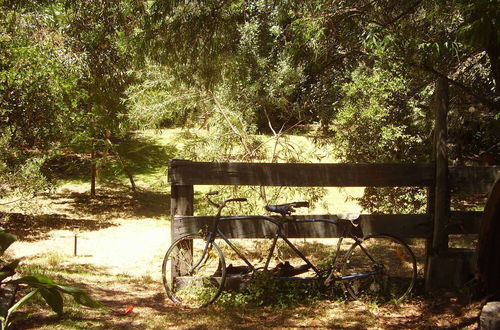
[[192, 277], [380, 268]]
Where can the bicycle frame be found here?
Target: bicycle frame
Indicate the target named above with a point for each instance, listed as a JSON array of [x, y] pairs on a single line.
[[279, 223]]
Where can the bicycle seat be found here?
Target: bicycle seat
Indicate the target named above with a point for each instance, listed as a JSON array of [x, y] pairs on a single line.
[[285, 209]]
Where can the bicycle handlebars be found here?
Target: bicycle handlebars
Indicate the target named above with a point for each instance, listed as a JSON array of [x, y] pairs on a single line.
[[221, 206]]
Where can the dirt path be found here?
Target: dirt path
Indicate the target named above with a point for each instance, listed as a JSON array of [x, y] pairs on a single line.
[[126, 247]]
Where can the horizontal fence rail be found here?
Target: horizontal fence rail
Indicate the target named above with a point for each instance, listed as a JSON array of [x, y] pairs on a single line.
[[413, 225], [401, 225], [301, 175], [463, 179], [473, 179], [183, 173]]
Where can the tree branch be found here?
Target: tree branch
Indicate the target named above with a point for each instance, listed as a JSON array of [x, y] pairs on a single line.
[[490, 103], [233, 128]]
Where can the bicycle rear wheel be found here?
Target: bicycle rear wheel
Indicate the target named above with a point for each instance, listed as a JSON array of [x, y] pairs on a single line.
[[191, 278], [380, 268]]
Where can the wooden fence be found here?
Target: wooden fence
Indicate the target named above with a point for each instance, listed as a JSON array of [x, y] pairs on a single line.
[[436, 176], [184, 175]]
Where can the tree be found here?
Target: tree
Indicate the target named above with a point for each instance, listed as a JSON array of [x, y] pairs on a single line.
[[38, 96], [280, 61], [65, 67], [98, 31], [433, 40], [274, 64]]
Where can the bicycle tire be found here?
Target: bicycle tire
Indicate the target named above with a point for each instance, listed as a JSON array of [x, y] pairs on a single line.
[[205, 283], [391, 259]]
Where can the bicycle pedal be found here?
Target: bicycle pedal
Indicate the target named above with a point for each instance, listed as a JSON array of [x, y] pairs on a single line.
[[286, 269], [240, 270]]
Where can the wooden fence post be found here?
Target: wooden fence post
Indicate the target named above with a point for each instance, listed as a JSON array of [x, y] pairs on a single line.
[[182, 199], [442, 199], [441, 195]]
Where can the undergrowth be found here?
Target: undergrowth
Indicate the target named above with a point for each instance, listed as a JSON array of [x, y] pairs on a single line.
[[264, 289]]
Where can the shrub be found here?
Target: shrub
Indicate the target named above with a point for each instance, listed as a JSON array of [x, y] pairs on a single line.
[[50, 291]]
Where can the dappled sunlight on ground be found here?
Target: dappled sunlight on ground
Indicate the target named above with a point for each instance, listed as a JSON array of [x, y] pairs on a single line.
[[126, 247]]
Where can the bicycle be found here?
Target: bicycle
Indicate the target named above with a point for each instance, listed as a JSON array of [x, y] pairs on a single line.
[[381, 267]]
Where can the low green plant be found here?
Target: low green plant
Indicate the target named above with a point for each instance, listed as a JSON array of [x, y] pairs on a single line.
[[264, 289], [49, 290], [373, 306]]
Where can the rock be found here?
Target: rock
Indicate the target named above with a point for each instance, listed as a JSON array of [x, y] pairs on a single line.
[[490, 316]]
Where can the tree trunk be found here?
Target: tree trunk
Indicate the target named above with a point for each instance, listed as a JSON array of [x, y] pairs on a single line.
[[122, 163], [493, 51], [93, 173], [129, 175], [489, 244]]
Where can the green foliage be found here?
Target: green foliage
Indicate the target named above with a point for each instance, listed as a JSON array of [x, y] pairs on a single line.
[[268, 59], [38, 79], [370, 111], [22, 176], [63, 75], [264, 289], [482, 26], [158, 100], [49, 290], [81, 75], [398, 200], [38, 96], [364, 72], [102, 42]]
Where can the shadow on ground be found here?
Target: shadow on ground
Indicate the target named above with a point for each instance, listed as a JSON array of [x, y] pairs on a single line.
[[153, 310], [161, 314], [115, 201], [36, 227]]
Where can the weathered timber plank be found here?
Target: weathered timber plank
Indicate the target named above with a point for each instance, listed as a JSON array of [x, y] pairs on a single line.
[[181, 204], [464, 222], [254, 228], [399, 225], [300, 175], [404, 226], [473, 179]]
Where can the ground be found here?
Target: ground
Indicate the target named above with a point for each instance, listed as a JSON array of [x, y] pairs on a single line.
[[120, 242]]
